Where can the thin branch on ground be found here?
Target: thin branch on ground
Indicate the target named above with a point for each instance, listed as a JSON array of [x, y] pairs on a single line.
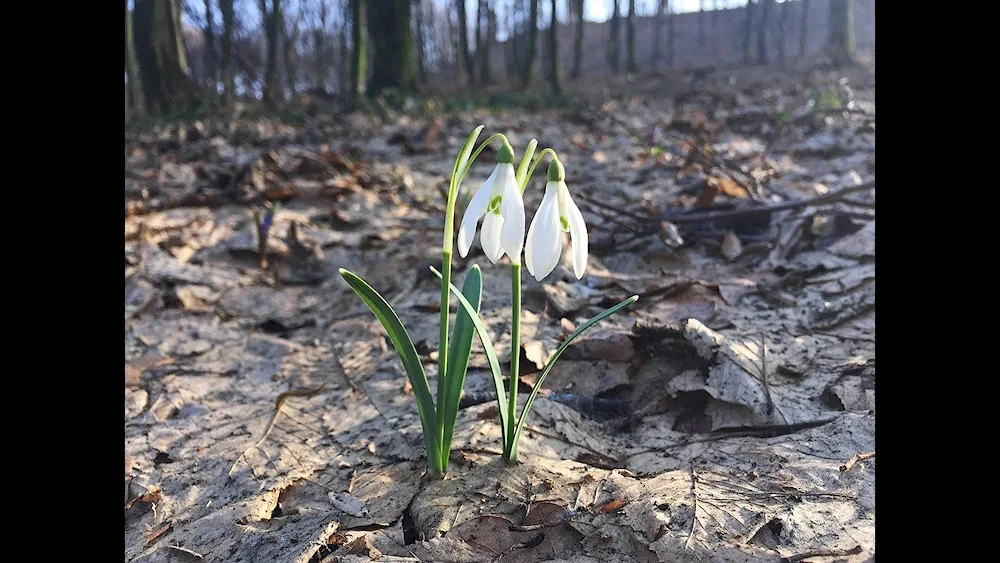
[[854, 460]]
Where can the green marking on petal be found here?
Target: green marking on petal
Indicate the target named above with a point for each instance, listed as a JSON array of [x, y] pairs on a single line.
[[564, 222], [494, 205]]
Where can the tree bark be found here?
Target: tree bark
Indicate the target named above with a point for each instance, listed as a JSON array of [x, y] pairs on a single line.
[[226, 7], [803, 27], [210, 56], [290, 41], [615, 46], [161, 63], [840, 41], [359, 38], [630, 36], [393, 62], [577, 6], [463, 43], [782, 18], [320, 50], [418, 5], [135, 100], [554, 52], [670, 35], [765, 14], [748, 32], [658, 34], [272, 23], [532, 31], [487, 42], [701, 22]]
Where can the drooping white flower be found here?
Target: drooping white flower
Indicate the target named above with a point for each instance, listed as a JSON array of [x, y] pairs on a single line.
[[500, 200], [557, 214]]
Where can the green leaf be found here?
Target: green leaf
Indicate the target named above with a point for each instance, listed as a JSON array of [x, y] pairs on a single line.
[[491, 355], [522, 168], [459, 350], [548, 366], [465, 153], [411, 362]]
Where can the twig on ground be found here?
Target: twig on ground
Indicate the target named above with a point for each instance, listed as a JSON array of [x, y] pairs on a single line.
[[857, 457], [716, 215], [822, 553]]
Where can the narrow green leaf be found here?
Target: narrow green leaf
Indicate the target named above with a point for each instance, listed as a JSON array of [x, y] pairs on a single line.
[[465, 153], [491, 355], [411, 362], [522, 168], [548, 366], [458, 358]]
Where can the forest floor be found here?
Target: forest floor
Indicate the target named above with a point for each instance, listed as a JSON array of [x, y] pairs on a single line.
[[728, 415]]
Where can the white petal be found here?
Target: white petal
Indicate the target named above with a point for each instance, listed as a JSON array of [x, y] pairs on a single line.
[[475, 210], [512, 208], [490, 236], [545, 236], [578, 233]]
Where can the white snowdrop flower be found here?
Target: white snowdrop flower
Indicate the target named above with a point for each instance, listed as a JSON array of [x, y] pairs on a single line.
[[500, 200], [557, 214]]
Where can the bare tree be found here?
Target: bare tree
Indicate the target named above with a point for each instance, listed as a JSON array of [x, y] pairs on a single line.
[[290, 41], [782, 17], [576, 7], [765, 13], [803, 26], [418, 5], [840, 40], [615, 38], [320, 50], [701, 22], [135, 99], [658, 33], [532, 31], [748, 32], [159, 50], [394, 64], [670, 35], [554, 52], [228, 70], [463, 42], [488, 22], [272, 25], [630, 37], [359, 38], [210, 58]]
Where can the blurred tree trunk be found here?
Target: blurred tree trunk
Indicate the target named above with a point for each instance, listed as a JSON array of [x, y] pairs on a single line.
[[630, 36], [803, 27], [178, 35], [532, 31], [670, 35], [463, 43], [394, 64], [359, 38], [161, 63], [701, 22], [421, 42], [290, 41], [614, 47], [840, 41], [487, 42], [272, 25], [765, 14], [658, 34], [319, 48], [577, 7], [135, 100], [477, 60], [226, 8], [210, 57], [554, 52], [748, 32], [782, 18]]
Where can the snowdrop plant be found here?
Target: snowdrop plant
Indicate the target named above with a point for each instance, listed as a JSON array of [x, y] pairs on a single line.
[[498, 201]]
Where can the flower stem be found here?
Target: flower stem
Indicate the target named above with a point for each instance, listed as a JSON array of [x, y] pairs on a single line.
[[510, 448], [534, 164], [442, 383]]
